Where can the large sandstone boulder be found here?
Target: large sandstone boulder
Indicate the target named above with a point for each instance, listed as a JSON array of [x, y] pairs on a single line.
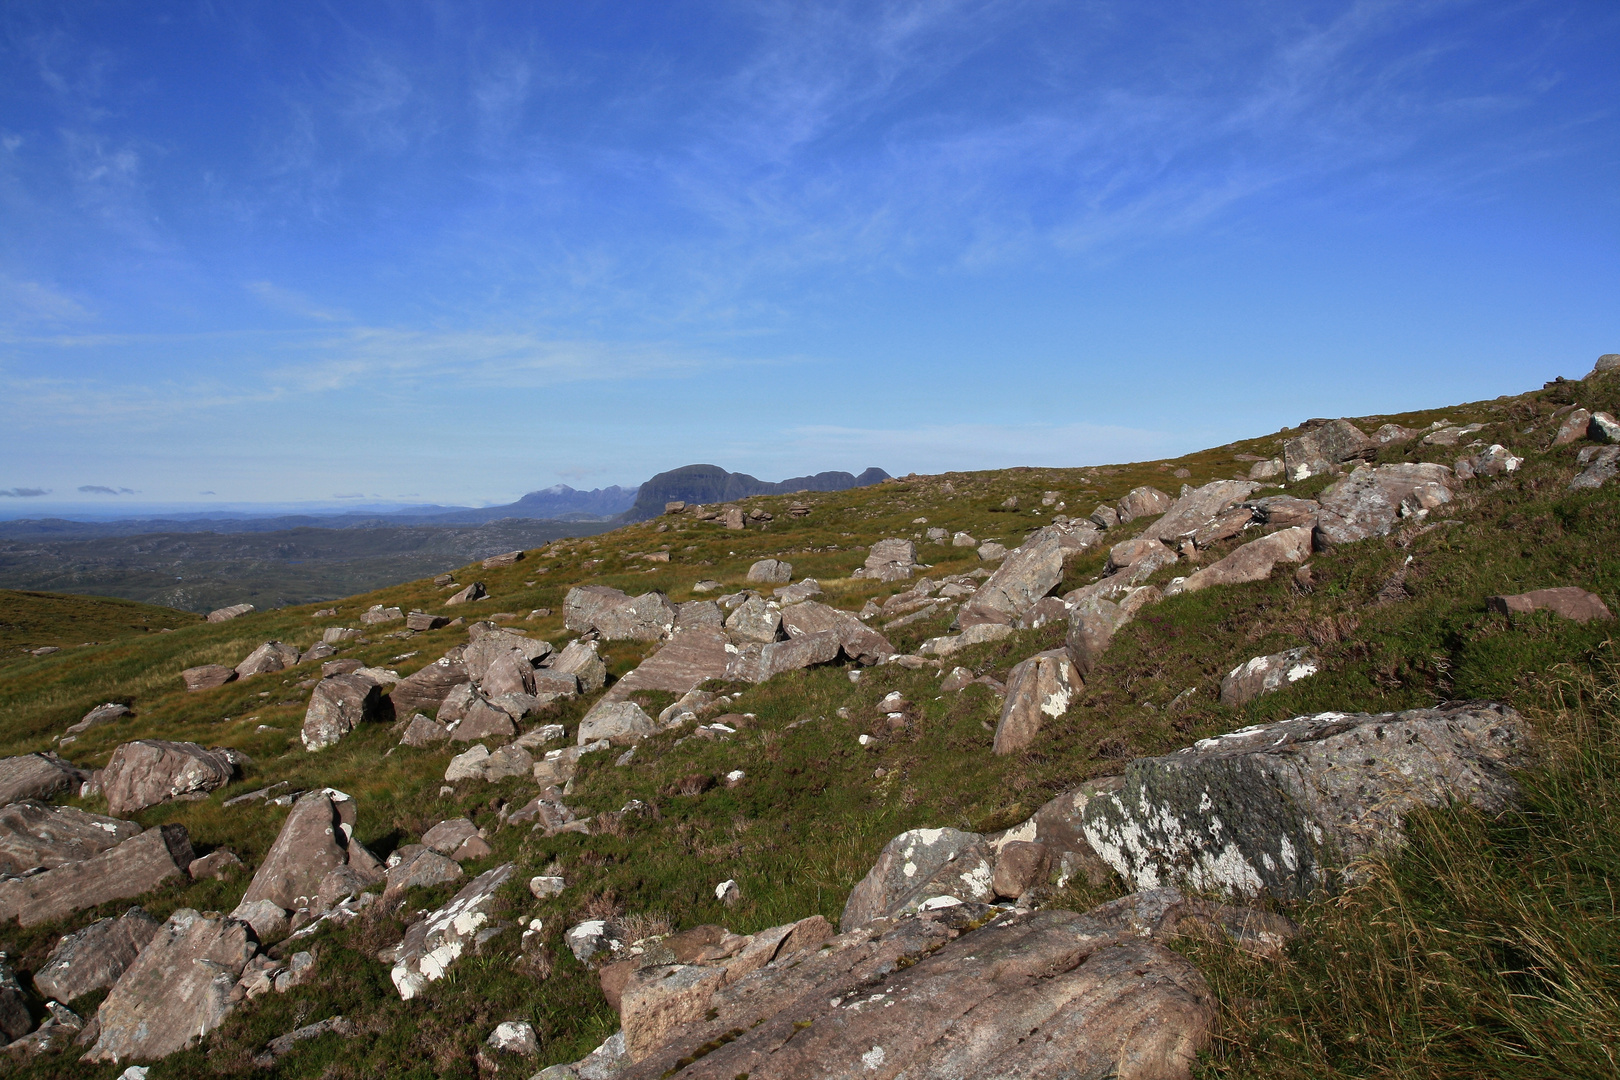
[[1280, 807], [1251, 562], [691, 658], [1026, 575], [177, 990], [470, 594], [1369, 501], [621, 723], [1142, 502], [1042, 994], [1196, 509], [696, 614], [584, 602], [755, 620], [860, 642], [770, 572], [1038, 688], [271, 656], [150, 771], [139, 864], [93, 958], [338, 705], [483, 720], [432, 944], [316, 839], [207, 676], [919, 865], [425, 690], [1599, 469], [493, 647], [37, 776], [581, 660], [226, 614], [758, 662], [891, 560], [1267, 674], [36, 835], [1096, 618], [1323, 448], [647, 617], [101, 714]]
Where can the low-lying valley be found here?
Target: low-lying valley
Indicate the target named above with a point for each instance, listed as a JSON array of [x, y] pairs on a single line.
[[1292, 757]]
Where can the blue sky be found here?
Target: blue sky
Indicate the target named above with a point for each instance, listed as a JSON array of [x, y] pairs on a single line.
[[453, 252]]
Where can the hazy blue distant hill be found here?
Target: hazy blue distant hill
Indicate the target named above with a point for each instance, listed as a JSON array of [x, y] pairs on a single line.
[[711, 483]]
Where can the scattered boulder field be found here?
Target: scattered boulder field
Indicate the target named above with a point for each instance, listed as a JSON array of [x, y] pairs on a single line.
[[893, 781]]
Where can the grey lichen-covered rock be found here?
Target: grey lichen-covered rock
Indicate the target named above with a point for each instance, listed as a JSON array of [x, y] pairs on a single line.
[[1194, 510], [226, 614], [37, 776], [891, 560], [37, 835], [1253, 561], [1038, 689], [621, 723], [207, 676], [859, 642], [423, 732], [425, 689], [471, 593], [177, 990], [756, 663], [338, 705], [691, 658], [93, 958], [1265, 674], [1280, 807], [647, 617], [1601, 467], [269, 657], [1142, 502], [150, 771], [101, 714], [585, 602], [496, 646], [581, 660], [770, 572], [137, 865], [418, 867], [479, 763], [919, 865], [1025, 576], [316, 838], [1369, 501], [1321, 449], [755, 620], [432, 944]]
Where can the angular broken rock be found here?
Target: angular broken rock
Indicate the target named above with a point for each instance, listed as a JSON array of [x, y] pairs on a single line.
[[1280, 807], [1573, 429], [150, 771], [93, 958], [433, 944], [36, 835], [756, 663], [37, 776], [139, 864], [421, 620], [581, 660], [1037, 688], [1026, 575], [447, 836], [510, 558], [207, 676], [584, 602], [1044, 994], [101, 714], [494, 646], [419, 868], [176, 991], [378, 614], [691, 658], [1569, 602], [860, 642], [316, 838], [1284, 511], [919, 865], [700, 613], [1368, 501], [558, 767], [771, 572], [484, 721], [271, 656], [1094, 620], [1265, 674], [1196, 509], [1603, 428], [755, 620], [226, 614], [1142, 502], [479, 764], [891, 560], [1601, 467], [804, 590], [1251, 562], [338, 705], [475, 591], [423, 732], [1322, 449], [647, 617], [622, 723]]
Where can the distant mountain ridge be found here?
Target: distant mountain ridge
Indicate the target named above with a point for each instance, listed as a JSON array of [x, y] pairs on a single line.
[[711, 483]]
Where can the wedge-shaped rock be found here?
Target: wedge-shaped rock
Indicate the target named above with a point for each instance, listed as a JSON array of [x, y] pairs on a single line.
[[496, 646], [580, 659], [101, 714], [860, 642], [691, 658], [1096, 618], [140, 864], [1368, 501], [34, 835], [1323, 448], [1265, 674], [584, 602], [150, 771], [756, 663], [1142, 502], [177, 990], [432, 944], [755, 620], [207, 676], [919, 865], [338, 705], [226, 614], [269, 657], [1251, 562], [1038, 689], [316, 838], [1198, 508], [1280, 807], [425, 690], [620, 722], [1025, 576], [483, 720], [37, 776], [1046, 994], [94, 958]]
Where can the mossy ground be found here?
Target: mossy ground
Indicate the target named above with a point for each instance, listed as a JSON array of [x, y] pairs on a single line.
[[812, 813]]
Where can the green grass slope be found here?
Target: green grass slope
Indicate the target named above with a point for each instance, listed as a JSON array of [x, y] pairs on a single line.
[[1489, 947]]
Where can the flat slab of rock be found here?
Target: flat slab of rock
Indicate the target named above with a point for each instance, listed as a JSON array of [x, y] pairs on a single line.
[[269, 657], [691, 658], [1323, 448], [139, 864], [1369, 501], [177, 990], [1194, 510], [207, 676], [919, 865], [37, 776], [1046, 994], [34, 835], [1251, 562], [94, 958], [425, 689], [147, 772], [1266, 674], [1026, 575], [338, 705], [860, 642], [432, 944], [1280, 807], [226, 614], [647, 617], [101, 714], [1569, 602], [1038, 689]]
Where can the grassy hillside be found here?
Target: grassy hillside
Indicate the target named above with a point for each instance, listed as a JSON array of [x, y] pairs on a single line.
[[1487, 948]]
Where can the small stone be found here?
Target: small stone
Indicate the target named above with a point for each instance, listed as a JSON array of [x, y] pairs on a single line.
[[546, 885], [515, 1037], [728, 893]]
